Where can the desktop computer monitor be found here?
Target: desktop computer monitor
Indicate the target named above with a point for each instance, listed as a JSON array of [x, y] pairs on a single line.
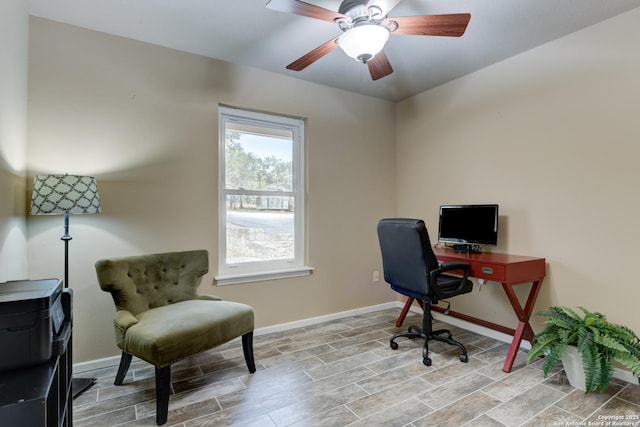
[[468, 227]]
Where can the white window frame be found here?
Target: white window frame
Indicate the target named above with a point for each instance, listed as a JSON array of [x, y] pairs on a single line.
[[229, 273]]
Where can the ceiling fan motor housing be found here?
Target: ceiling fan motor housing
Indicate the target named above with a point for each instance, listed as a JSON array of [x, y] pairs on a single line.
[[352, 6], [356, 13]]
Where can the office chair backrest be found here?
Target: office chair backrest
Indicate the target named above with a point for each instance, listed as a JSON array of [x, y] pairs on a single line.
[[407, 257]]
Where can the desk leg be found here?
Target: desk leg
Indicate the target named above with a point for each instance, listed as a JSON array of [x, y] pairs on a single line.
[[524, 330], [403, 313]]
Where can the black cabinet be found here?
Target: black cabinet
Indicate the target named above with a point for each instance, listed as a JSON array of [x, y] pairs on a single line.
[[40, 395]]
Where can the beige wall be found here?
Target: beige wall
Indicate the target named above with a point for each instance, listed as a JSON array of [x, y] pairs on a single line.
[[551, 135], [13, 139], [143, 120]]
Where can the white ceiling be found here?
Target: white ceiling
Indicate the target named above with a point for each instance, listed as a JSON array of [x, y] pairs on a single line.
[[246, 32]]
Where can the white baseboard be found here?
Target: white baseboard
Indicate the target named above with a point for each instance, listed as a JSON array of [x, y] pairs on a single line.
[[481, 330], [114, 360], [326, 318], [90, 365], [472, 327]]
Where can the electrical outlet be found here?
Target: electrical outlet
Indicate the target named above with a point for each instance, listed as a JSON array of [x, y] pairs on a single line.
[[376, 276]]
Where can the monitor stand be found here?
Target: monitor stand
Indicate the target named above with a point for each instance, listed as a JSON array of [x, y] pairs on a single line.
[[466, 248]]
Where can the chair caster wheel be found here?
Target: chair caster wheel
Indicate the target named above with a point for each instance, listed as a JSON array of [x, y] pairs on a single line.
[[464, 358], [393, 345], [427, 361]]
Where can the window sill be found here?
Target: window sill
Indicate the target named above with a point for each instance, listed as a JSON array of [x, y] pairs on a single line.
[[224, 280]]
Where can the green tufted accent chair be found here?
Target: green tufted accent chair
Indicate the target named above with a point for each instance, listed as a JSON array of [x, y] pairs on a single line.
[[161, 319]]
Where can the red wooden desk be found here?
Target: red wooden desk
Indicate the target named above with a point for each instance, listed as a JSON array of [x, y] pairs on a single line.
[[509, 270]]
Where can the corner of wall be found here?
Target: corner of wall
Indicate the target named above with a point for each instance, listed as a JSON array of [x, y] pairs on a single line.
[[14, 37]]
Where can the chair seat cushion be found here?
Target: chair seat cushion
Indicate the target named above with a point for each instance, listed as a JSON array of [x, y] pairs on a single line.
[[164, 335]]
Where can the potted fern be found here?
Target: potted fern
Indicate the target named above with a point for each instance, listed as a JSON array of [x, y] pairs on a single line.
[[599, 344]]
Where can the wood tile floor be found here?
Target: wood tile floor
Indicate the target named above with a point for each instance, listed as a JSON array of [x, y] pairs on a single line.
[[343, 373]]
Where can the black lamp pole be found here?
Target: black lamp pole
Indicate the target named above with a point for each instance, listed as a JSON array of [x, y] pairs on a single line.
[[66, 239], [55, 194]]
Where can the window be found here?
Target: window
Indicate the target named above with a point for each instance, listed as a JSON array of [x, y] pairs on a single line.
[[261, 197]]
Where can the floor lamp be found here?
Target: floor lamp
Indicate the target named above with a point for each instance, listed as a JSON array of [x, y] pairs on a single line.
[[64, 195]]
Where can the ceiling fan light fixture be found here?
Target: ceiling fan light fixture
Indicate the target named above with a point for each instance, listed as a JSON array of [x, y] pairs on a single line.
[[363, 42]]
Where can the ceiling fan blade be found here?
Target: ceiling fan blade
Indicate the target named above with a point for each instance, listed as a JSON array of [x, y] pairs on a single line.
[[384, 5], [304, 9], [379, 66], [452, 25], [311, 57]]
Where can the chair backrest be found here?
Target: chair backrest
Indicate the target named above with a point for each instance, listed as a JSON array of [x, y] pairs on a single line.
[[407, 256], [139, 283]]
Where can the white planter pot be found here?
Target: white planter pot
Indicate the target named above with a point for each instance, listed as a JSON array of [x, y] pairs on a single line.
[[572, 364]]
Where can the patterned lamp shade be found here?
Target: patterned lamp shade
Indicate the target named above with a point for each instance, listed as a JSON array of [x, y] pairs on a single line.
[[60, 194]]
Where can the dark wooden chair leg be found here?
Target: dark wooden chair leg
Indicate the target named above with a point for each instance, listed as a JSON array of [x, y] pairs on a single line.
[[125, 361], [163, 389], [247, 348]]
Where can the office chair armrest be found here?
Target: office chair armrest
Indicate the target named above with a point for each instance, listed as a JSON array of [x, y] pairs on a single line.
[[455, 265], [461, 268]]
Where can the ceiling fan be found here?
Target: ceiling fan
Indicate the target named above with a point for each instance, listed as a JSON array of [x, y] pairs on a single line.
[[366, 28]]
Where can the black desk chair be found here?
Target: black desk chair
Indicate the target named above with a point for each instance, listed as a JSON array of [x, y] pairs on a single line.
[[411, 268]]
